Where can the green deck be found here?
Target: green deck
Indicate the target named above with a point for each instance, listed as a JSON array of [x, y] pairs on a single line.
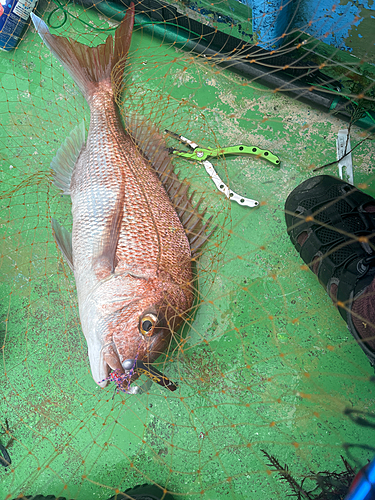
[[266, 364]]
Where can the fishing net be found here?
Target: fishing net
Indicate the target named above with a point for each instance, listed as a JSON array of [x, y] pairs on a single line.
[[269, 376]]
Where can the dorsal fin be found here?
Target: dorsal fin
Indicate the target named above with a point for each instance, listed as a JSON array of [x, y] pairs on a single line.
[[152, 145]]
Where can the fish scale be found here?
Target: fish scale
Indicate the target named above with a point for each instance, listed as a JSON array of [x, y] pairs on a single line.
[[129, 250], [143, 189]]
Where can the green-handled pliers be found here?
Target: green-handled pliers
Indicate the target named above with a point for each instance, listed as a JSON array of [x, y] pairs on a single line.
[[201, 155]]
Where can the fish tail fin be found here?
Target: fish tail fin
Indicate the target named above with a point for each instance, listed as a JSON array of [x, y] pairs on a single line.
[[91, 66]]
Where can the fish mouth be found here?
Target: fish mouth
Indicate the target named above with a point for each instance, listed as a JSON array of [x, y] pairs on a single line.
[[99, 366], [102, 361], [111, 357], [124, 373]]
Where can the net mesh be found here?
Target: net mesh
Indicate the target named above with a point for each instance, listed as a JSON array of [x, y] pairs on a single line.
[[264, 362]]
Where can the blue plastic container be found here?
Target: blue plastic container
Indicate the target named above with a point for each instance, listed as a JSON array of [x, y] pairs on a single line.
[[14, 17]]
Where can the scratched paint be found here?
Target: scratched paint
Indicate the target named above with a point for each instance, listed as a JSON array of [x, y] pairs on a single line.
[[344, 24]]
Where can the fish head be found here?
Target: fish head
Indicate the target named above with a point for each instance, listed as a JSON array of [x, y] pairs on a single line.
[[142, 329]]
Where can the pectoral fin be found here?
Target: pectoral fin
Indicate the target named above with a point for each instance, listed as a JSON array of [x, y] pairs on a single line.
[[66, 157], [105, 260], [64, 241]]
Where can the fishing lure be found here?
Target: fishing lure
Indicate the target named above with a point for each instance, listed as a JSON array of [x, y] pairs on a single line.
[[131, 365], [155, 375]]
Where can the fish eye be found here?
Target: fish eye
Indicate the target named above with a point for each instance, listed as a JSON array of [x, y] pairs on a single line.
[[147, 324]]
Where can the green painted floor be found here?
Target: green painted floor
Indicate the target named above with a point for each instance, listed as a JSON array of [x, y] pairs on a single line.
[[266, 362]]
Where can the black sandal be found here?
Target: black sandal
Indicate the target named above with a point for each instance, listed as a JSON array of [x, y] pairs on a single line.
[[332, 225]]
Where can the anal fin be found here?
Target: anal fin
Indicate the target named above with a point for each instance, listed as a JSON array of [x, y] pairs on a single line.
[[64, 241]]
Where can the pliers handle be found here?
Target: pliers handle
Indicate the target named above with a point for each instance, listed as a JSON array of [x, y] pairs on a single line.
[[201, 154]]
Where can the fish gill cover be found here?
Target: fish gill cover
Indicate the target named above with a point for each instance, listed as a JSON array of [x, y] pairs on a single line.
[[267, 370]]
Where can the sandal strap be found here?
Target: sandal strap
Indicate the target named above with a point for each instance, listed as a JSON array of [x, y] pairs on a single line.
[[353, 281]]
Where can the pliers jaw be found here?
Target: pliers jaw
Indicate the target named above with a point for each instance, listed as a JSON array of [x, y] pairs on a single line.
[[195, 154]]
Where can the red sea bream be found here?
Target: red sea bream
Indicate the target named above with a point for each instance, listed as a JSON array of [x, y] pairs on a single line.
[[133, 226]]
